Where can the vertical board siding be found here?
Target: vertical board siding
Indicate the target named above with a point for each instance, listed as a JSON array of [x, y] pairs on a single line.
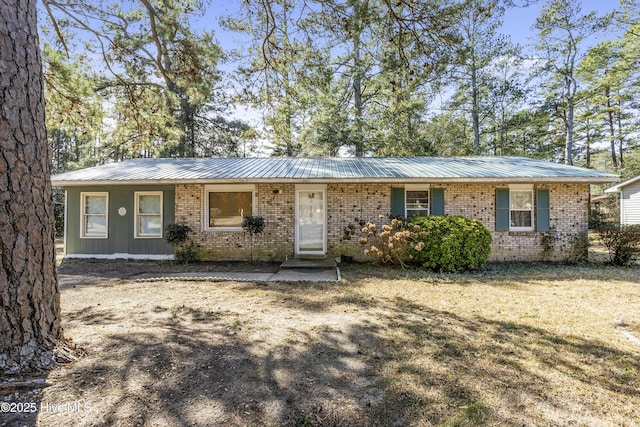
[[120, 231], [630, 204]]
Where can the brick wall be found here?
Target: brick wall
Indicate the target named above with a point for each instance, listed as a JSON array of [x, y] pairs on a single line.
[[568, 214], [369, 202], [276, 241], [349, 203]]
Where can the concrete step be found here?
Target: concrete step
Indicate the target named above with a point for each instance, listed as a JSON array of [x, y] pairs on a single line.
[[309, 263]]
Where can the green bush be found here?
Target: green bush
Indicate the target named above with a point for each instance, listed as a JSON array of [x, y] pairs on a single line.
[[252, 225], [186, 255], [450, 243], [177, 235], [622, 242]]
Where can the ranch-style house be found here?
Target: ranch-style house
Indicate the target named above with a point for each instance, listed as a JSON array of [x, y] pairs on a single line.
[[121, 210]]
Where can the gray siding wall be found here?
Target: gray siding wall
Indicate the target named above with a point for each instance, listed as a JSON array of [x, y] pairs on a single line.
[[630, 204], [121, 238]]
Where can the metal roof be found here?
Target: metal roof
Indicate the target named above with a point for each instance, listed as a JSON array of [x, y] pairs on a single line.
[[331, 169]]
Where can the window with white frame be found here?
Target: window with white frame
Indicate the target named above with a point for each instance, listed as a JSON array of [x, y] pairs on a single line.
[[521, 208], [416, 200], [225, 205], [94, 209], [148, 213]]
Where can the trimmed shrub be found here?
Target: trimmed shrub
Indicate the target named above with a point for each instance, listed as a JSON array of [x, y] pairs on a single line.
[[252, 225], [450, 243], [177, 235]]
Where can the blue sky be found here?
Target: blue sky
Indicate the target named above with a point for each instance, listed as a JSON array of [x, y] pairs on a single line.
[[517, 23], [519, 20]]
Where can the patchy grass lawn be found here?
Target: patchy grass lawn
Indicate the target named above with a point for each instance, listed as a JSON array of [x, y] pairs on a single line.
[[513, 345]]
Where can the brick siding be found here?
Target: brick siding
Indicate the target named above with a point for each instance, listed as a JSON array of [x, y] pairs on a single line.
[[348, 203]]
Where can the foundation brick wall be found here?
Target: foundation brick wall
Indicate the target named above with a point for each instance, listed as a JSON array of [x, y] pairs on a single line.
[[348, 202]]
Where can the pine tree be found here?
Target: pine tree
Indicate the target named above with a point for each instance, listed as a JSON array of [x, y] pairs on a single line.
[[29, 295]]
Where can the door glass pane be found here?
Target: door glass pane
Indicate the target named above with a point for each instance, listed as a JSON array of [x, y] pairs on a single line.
[[311, 221]]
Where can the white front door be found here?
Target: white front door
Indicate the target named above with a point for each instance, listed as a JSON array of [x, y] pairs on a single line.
[[311, 219]]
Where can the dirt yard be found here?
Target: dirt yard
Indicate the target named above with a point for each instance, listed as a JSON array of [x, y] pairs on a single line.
[[514, 345]]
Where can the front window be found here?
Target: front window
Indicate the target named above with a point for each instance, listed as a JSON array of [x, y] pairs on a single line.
[[148, 214], [94, 212], [227, 205], [416, 202], [521, 210]]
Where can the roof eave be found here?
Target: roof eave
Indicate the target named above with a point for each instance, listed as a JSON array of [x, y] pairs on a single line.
[[430, 180], [618, 187]]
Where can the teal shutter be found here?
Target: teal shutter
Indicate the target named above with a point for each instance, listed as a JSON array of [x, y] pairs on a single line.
[[437, 201], [542, 210], [502, 209], [397, 201]]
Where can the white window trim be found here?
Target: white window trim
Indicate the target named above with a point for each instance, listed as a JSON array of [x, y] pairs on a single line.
[[136, 214], [416, 187], [523, 187], [83, 214], [228, 188]]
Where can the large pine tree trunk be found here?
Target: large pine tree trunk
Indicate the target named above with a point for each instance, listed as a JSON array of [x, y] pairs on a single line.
[[29, 295]]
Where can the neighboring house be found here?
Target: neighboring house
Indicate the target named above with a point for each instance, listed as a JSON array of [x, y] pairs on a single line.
[[122, 209], [629, 193], [604, 208]]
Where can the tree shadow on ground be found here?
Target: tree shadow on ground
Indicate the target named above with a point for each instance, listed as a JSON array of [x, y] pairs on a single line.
[[367, 362], [19, 406], [100, 272], [513, 275]]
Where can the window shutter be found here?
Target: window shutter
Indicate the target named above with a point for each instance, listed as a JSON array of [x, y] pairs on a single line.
[[542, 210], [437, 201], [397, 201], [502, 209]]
